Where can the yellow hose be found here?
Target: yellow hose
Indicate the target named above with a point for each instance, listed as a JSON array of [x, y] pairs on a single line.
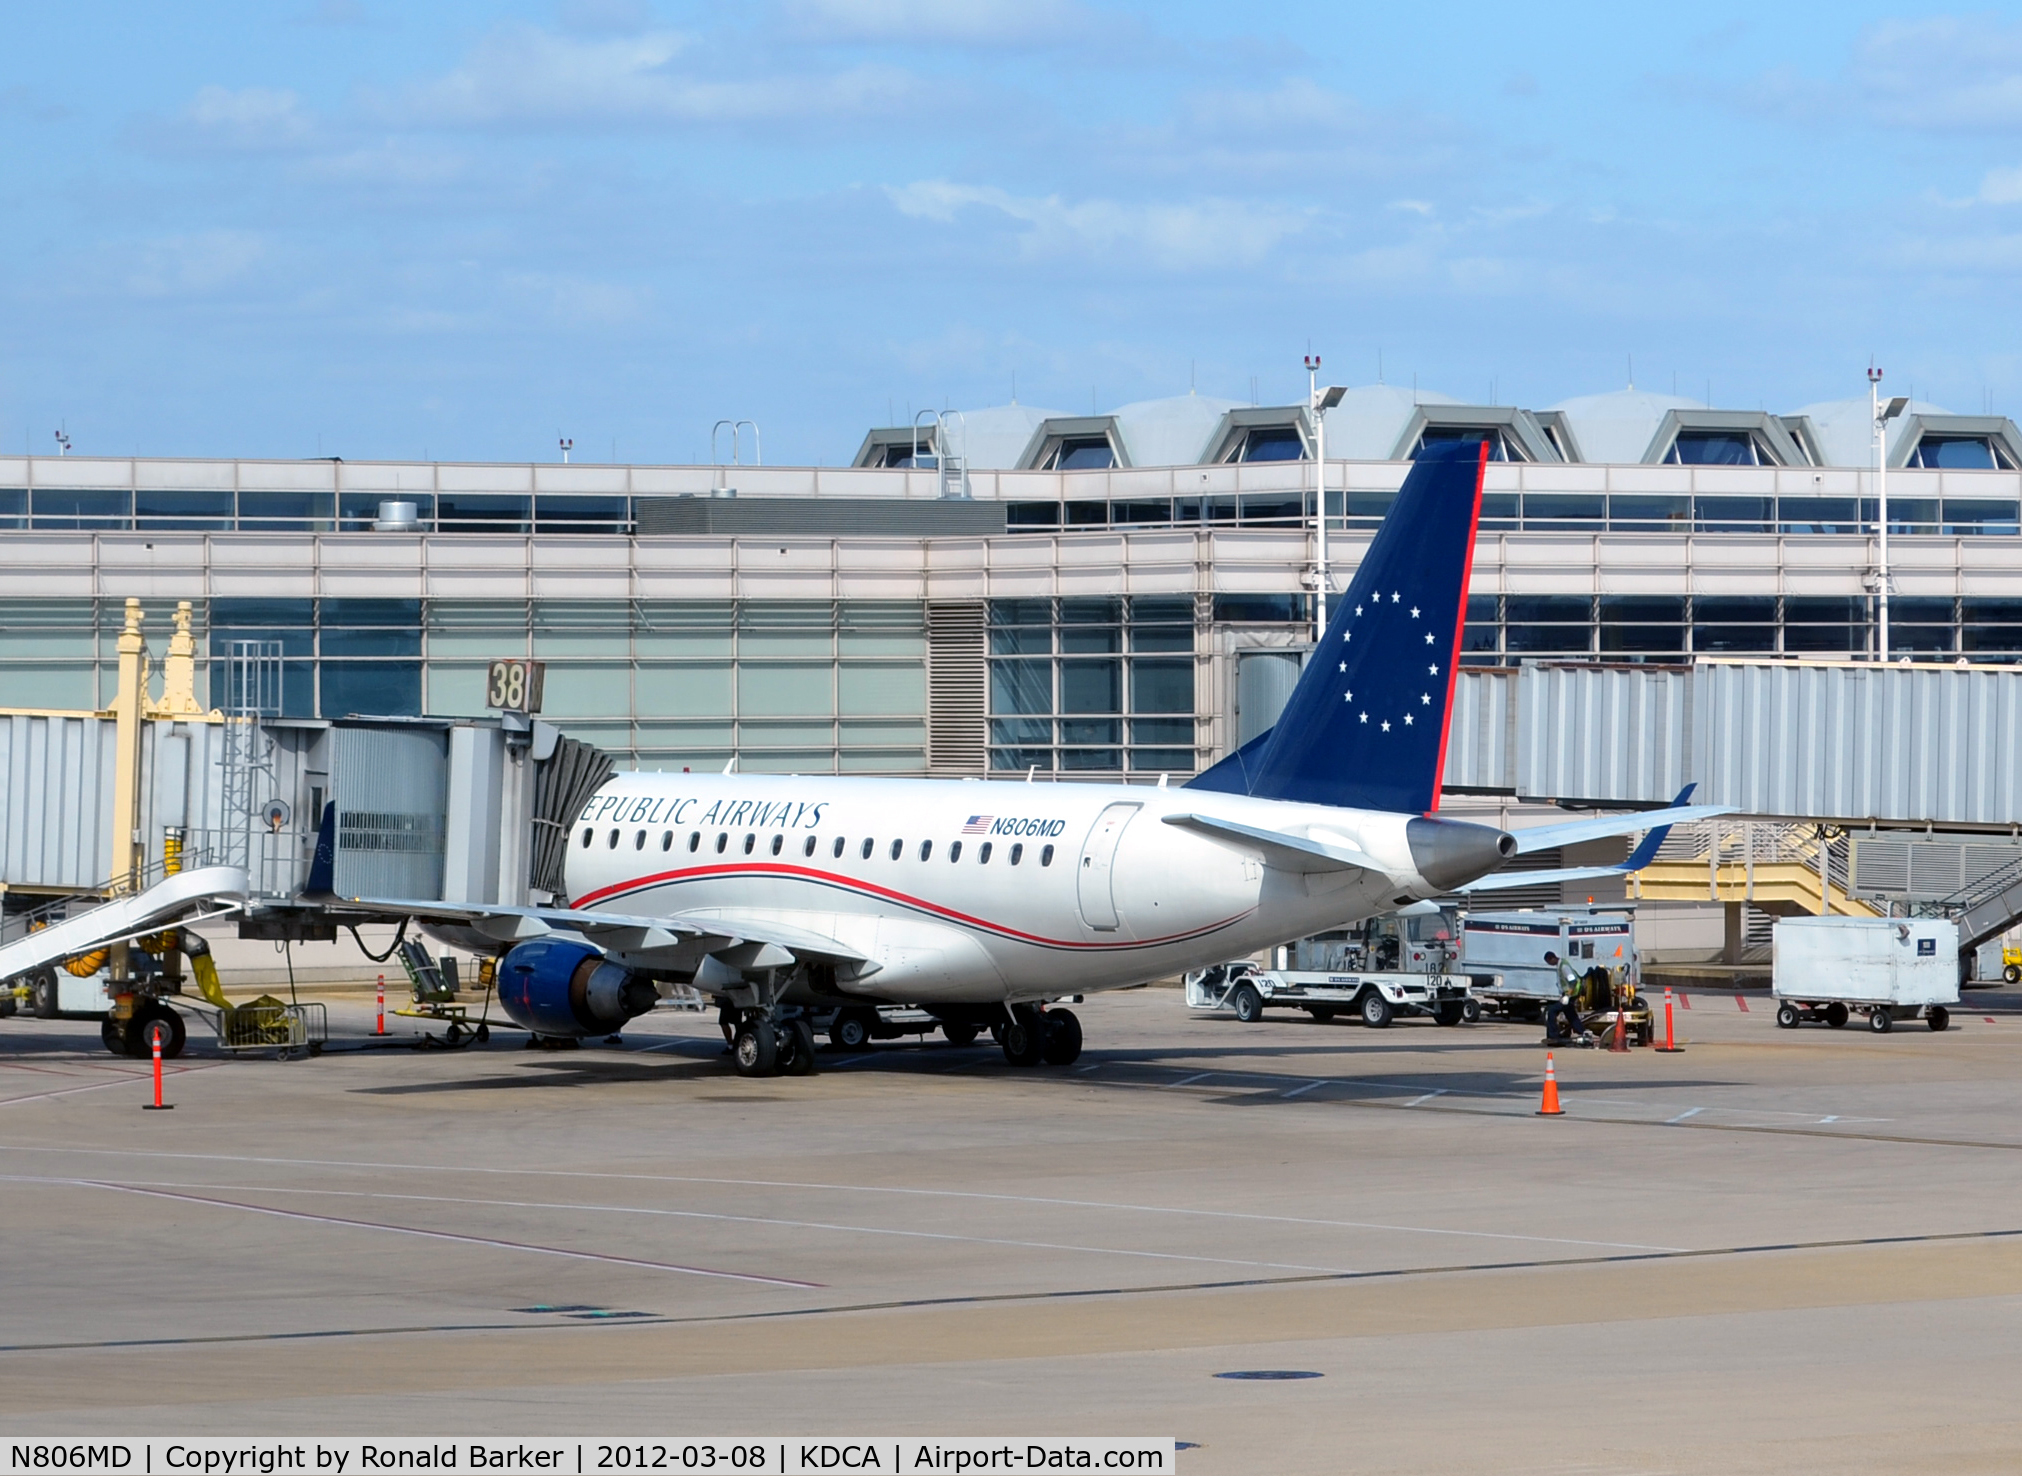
[[87, 964]]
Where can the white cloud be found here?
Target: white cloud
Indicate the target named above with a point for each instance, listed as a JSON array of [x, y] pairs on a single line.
[[960, 22], [248, 118], [2002, 187], [522, 74], [193, 265], [1197, 234], [1945, 73]]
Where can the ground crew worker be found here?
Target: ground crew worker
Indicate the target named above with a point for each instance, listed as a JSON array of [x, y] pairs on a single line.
[[1562, 1019]]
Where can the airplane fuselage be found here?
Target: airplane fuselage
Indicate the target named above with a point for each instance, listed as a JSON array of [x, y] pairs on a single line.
[[978, 891]]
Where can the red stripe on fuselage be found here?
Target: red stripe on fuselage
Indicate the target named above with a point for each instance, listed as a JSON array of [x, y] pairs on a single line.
[[853, 884]]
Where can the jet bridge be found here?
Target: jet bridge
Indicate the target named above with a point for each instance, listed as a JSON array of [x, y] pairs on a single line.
[[122, 829]]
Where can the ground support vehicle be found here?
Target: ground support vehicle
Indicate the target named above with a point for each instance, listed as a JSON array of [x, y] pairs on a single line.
[[1375, 999], [1513, 958], [1825, 970], [2011, 963]]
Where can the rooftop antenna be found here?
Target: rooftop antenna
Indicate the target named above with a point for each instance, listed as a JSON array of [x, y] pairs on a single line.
[[1014, 386], [568, 444], [62, 444], [1632, 371]]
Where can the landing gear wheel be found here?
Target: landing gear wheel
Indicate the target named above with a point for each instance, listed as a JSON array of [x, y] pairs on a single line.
[[42, 996], [1836, 1015], [1247, 1003], [959, 1034], [1787, 1016], [1322, 1013], [113, 1033], [1880, 1021], [796, 1048], [1450, 1012], [1024, 1044], [1062, 1044], [754, 1050], [850, 1030], [1937, 1017], [1470, 1010], [1376, 1011]]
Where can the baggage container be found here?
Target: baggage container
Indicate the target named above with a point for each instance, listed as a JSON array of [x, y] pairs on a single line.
[[1827, 969]]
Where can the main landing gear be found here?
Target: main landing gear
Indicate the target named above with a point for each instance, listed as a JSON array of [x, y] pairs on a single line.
[[763, 1046], [1033, 1035]]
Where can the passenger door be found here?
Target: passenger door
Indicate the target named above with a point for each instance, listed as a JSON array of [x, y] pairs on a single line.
[[1098, 860]]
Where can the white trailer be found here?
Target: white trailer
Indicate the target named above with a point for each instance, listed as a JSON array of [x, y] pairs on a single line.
[[1826, 969], [1375, 998], [1513, 957]]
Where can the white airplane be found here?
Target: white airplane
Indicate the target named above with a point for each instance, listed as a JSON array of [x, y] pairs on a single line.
[[981, 902]]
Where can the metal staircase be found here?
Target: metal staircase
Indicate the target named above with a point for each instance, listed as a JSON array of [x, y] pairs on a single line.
[[1779, 868]]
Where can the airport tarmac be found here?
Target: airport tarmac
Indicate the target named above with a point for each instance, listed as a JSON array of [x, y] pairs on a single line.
[[1778, 1251]]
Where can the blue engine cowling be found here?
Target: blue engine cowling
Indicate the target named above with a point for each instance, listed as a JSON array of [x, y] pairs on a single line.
[[562, 987]]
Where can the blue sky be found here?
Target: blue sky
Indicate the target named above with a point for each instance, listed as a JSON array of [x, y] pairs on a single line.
[[349, 227]]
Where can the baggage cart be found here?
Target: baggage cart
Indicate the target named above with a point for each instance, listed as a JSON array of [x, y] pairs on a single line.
[[1825, 970]]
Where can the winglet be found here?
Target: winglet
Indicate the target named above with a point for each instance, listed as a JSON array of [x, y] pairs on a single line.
[[1645, 853]]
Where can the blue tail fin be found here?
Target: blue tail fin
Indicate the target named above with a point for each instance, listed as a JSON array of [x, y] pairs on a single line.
[[1366, 725], [1644, 854], [322, 880]]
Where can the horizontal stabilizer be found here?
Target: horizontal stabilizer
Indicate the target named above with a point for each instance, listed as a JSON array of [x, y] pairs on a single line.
[[1296, 853], [1545, 837]]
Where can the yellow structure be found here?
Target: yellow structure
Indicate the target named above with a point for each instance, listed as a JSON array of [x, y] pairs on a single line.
[[1774, 867]]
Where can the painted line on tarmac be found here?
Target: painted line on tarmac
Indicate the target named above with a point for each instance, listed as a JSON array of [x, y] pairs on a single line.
[[1741, 1004], [482, 1240], [1687, 1113], [1300, 1091], [147, 1186], [1187, 1080], [979, 1299], [125, 1079], [977, 1194], [1419, 1101]]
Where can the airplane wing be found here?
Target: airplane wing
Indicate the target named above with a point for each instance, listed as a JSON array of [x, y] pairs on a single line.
[[1286, 852], [1544, 837]]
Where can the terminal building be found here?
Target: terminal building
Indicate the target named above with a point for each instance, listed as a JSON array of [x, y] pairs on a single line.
[[1006, 590]]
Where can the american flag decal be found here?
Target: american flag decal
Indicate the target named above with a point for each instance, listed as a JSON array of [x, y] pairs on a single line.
[[979, 825]]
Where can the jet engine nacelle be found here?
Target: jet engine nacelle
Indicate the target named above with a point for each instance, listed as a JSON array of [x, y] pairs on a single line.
[[557, 986]]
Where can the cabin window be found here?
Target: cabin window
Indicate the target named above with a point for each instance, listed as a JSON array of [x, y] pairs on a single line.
[[926, 849], [955, 852], [614, 840], [1046, 855], [868, 843], [838, 847], [694, 840], [722, 841], [666, 840], [778, 841], [586, 837], [639, 841], [750, 843], [808, 849], [983, 854], [898, 847], [1018, 853]]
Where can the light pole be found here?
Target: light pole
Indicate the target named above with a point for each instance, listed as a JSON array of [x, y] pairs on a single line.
[[1320, 401], [1883, 414], [568, 444]]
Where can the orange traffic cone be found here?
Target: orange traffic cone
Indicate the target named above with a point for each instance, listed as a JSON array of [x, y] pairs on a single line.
[[1550, 1107]]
